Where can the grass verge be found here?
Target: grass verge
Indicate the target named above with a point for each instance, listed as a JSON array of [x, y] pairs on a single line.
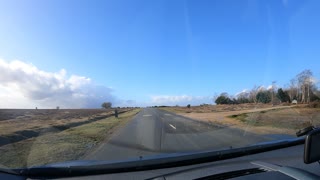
[[290, 118], [264, 121], [59, 146]]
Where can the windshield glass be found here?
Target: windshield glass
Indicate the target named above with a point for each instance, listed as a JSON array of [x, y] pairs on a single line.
[[119, 80]]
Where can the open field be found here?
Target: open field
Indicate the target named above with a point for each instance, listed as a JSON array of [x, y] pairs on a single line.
[[37, 137], [257, 118], [20, 124], [216, 108]]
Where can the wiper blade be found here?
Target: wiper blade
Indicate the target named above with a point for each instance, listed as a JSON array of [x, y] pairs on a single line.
[[151, 162], [9, 171]]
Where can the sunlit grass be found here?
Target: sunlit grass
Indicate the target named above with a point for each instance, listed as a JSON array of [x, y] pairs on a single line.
[[70, 144]]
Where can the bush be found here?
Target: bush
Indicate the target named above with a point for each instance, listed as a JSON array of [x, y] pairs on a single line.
[[188, 106], [283, 96], [315, 104], [264, 97], [223, 100], [106, 105], [286, 104]]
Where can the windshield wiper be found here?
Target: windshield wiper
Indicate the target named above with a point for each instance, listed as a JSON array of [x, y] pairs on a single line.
[[83, 168], [9, 171]]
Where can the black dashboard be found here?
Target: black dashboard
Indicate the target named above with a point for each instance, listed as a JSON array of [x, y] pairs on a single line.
[[257, 166]]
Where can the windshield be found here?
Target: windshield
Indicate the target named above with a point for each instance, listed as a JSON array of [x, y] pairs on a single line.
[[125, 80]]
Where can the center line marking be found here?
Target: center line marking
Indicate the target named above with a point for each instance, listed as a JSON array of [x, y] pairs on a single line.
[[172, 126], [147, 115]]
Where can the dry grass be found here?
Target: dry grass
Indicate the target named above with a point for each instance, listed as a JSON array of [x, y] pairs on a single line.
[[217, 108], [290, 118], [64, 145], [257, 119], [21, 124], [13, 120]]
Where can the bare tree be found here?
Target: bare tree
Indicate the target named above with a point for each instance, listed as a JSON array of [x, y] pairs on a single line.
[[272, 90], [293, 90], [253, 94], [305, 82], [215, 96]]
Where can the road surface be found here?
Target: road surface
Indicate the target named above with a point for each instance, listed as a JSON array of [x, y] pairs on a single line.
[[153, 131]]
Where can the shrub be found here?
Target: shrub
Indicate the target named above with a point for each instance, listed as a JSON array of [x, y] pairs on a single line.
[[264, 97], [315, 104], [106, 105], [223, 100]]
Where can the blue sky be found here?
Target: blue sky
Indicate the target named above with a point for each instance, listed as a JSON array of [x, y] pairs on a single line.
[[146, 50]]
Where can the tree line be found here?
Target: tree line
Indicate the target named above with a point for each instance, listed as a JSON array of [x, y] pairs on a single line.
[[302, 89]]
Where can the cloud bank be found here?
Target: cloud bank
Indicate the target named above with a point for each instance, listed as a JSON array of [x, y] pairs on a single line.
[[23, 85], [181, 100]]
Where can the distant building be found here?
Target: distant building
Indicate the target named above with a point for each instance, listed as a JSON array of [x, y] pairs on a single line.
[[294, 102]]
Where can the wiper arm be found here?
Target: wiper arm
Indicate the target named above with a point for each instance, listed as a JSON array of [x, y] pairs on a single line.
[[154, 162], [6, 170]]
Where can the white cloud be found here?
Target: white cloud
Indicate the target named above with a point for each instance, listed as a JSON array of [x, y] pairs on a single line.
[[243, 93], [261, 88], [23, 85], [269, 87], [180, 100], [314, 80], [128, 103]]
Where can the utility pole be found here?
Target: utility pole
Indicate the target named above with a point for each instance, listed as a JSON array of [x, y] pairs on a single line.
[[273, 89]]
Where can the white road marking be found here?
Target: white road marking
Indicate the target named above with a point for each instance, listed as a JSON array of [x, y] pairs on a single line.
[[147, 115], [167, 114], [172, 126]]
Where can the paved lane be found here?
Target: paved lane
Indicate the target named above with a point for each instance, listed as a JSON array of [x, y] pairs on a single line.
[[153, 131]]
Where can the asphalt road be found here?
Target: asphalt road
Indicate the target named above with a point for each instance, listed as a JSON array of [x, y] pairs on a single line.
[[153, 131]]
